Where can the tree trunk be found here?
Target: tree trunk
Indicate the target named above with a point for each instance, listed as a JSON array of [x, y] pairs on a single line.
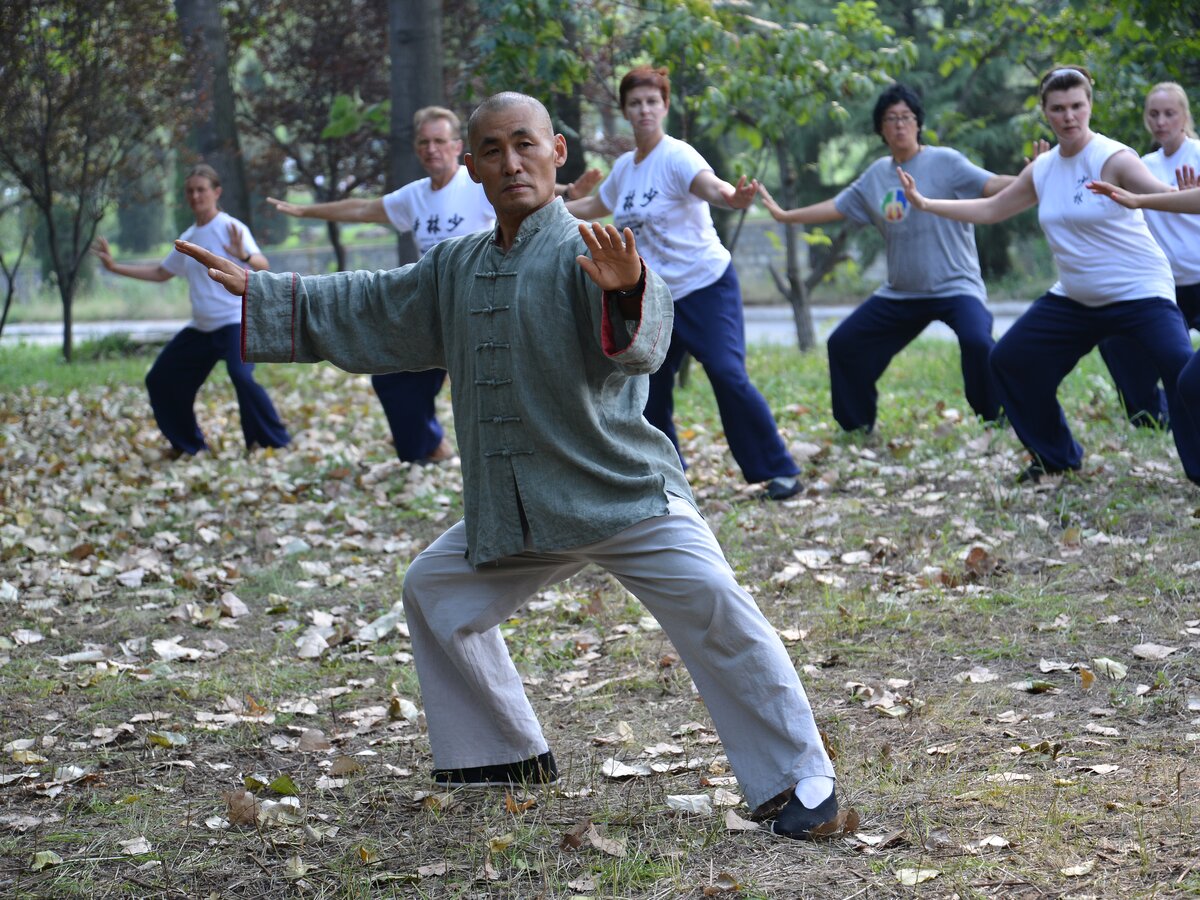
[[796, 293], [568, 113], [335, 241], [214, 135], [415, 46]]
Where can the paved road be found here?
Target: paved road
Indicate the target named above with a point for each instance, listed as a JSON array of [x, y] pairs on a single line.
[[771, 324]]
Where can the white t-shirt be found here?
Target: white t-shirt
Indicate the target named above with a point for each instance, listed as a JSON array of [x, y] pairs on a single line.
[[1177, 233], [1103, 251], [459, 207], [672, 226], [213, 307]]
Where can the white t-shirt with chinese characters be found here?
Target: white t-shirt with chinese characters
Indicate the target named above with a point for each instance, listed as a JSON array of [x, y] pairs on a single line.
[[213, 307], [1177, 233], [1104, 252], [672, 226], [459, 207]]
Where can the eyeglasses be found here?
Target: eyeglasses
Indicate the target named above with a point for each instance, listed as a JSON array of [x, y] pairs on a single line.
[[899, 120]]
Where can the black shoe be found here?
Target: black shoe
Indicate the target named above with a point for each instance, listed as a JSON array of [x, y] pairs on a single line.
[[537, 770], [784, 487], [1035, 472], [797, 821]]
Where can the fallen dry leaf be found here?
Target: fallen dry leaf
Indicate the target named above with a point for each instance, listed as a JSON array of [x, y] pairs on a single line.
[[910, 877]]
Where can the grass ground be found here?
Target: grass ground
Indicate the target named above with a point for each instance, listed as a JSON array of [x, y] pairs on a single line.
[[989, 662]]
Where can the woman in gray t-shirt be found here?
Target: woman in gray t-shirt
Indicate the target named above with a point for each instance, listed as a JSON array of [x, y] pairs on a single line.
[[932, 265]]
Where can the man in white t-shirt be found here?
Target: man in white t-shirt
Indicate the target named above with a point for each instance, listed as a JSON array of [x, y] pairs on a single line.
[[212, 334], [447, 204]]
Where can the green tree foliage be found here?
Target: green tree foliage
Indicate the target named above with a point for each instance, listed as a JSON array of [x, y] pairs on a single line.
[[316, 59], [780, 68], [74, 106]]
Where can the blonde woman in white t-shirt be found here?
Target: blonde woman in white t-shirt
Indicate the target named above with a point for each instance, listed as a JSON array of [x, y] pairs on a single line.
[[214, 332], [1114, 279], [662, 191], [1168, 118]]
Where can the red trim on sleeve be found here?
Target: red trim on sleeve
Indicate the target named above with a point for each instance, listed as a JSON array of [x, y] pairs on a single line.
[[245, 291], [607, 341]]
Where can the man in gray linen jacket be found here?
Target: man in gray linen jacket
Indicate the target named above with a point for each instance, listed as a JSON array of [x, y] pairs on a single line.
[[549, 328]]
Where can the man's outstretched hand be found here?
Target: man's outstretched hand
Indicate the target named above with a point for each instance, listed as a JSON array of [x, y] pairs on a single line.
[[614, 263], [229, 274]]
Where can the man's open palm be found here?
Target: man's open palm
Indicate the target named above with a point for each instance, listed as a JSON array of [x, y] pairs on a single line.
[[614, 263]]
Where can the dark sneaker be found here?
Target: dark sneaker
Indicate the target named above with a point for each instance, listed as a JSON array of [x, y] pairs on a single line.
[[797, 821], [782, 488], [537, 770], [1035, 472]]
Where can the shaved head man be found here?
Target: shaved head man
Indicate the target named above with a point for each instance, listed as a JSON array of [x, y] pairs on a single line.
[[549, 328]]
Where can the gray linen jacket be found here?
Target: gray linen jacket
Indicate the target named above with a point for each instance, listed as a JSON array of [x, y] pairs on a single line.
[[548, 379]]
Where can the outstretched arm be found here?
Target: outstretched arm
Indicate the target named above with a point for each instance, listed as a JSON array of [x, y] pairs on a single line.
[[581, 187], [708, 187], [353, 209], [816, 214], [588, 208], [237, 251], [1016, 197], [1128, 171], [1185, 201], [143, 272]]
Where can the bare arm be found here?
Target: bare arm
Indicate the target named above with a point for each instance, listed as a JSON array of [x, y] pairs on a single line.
[[237, 251], [581, 186], [1126, 170], [1186, 201], [143, 272], [1016, 197], [354, 209], [720, 193], [588, 208], [816, 214]]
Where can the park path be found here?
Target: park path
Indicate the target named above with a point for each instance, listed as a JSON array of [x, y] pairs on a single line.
[[765, 324]]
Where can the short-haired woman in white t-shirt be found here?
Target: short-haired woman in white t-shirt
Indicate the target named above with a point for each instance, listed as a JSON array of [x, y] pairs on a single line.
[[662, 191], [1168, 118], [214, 332], [1113, 278]]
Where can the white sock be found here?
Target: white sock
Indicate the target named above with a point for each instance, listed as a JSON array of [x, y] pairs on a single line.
[[814, 790]]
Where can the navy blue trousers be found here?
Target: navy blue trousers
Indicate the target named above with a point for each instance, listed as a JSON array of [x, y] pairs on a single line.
[[408, 401], [709, 326], [182, 367], [1188, 389], [861, 348], [1044, 345], [1144, 402]]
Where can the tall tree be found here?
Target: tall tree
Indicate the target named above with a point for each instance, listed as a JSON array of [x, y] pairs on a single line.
[[414, 30], [322, 66], [214, 133], [784, 64], [12, 204], [73, 108]]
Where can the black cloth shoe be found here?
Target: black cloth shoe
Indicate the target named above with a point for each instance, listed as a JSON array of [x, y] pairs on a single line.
[[537, 770], [1035, 472], [784, 487], [797, 821]]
